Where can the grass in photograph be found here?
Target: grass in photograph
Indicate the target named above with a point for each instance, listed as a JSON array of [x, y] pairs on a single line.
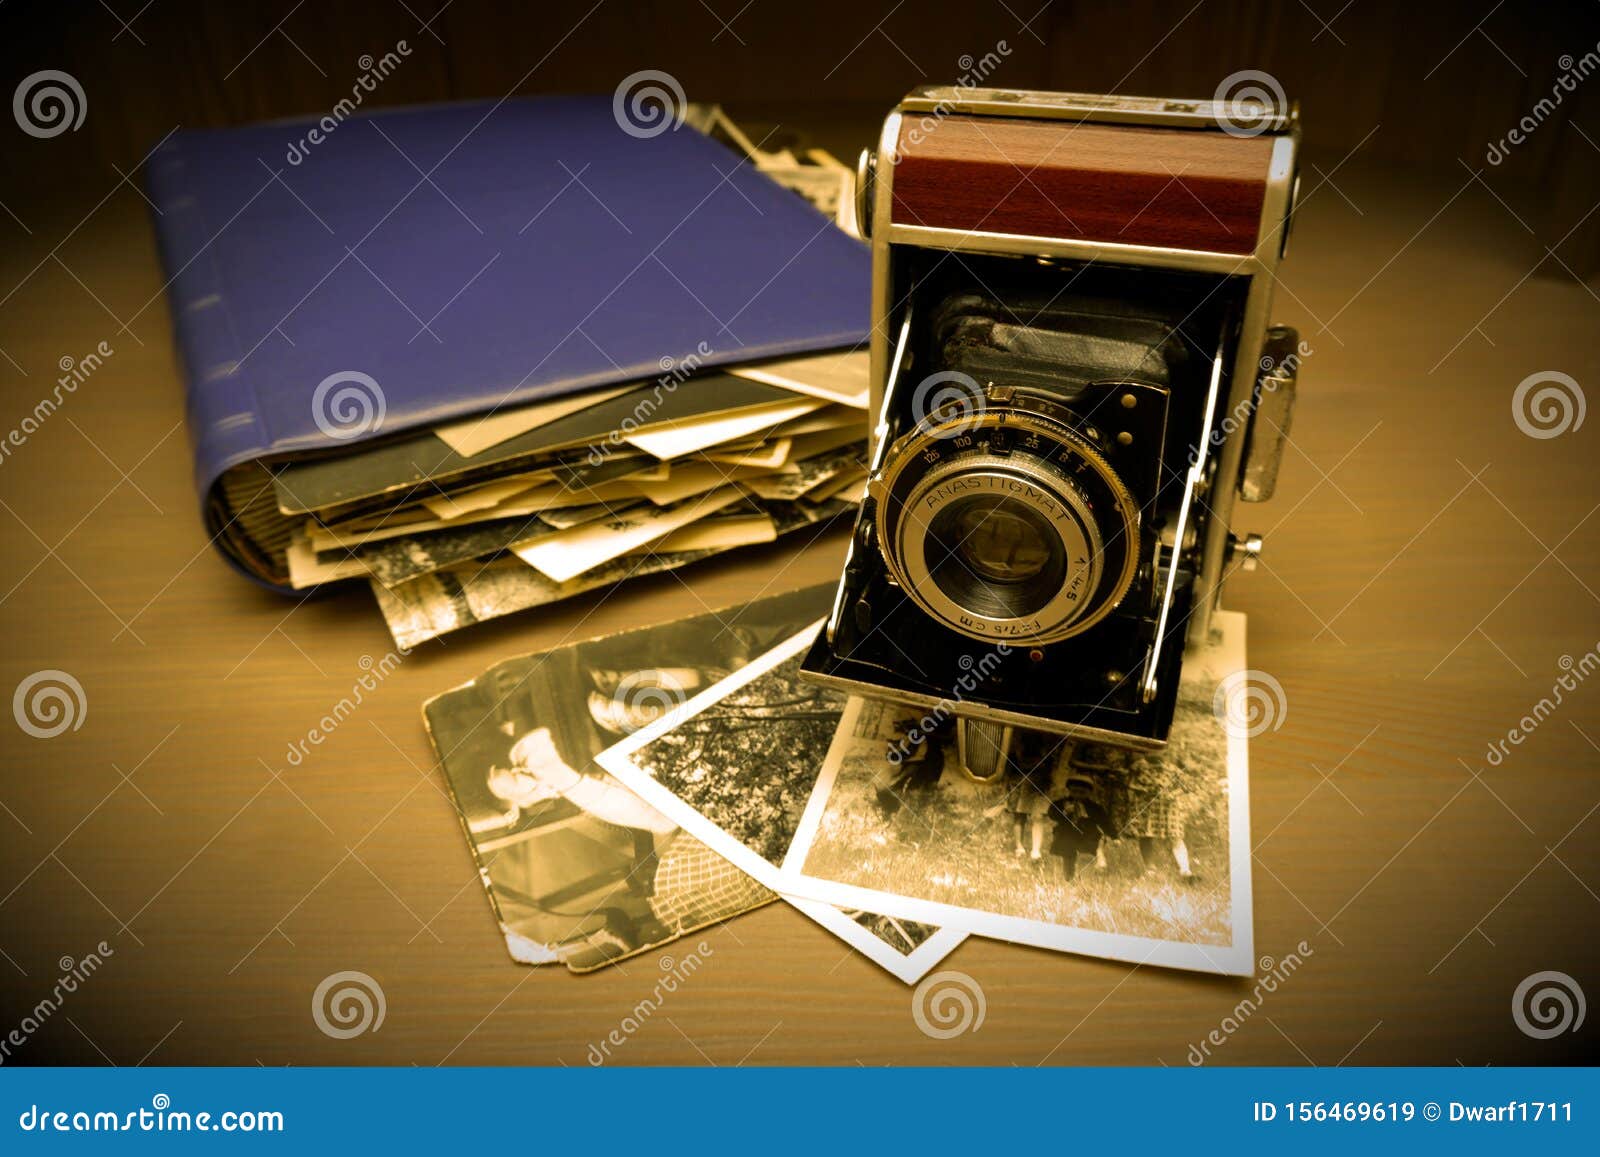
[[953, 844]]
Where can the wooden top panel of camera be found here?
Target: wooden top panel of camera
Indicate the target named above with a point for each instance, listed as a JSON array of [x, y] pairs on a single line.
[[1173, 188]]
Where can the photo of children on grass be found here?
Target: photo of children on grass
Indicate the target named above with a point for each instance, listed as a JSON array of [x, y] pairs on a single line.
[[1067, 835]]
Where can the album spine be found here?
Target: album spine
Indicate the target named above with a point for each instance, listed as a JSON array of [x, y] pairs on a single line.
[[224, 422], [223, 415]]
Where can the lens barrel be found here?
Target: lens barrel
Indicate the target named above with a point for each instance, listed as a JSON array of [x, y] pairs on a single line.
[[1007, 523]]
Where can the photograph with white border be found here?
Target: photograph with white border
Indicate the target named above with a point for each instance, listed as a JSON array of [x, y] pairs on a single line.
[[1078, 847], [581, 871], [734, 767]]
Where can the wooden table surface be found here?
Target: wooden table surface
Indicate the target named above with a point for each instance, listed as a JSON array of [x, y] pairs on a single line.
[[1429, 570]]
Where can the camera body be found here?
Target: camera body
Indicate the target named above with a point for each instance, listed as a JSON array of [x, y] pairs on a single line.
[[1073, 382]]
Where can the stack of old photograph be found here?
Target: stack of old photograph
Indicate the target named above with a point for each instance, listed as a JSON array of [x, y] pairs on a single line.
[[526, 505], [625, 791], [536, 504]]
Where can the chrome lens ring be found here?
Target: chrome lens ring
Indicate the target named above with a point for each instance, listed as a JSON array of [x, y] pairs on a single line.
[[948, 586], [1056, 497]]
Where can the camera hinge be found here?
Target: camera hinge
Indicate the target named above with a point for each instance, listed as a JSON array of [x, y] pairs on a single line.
[[1180, 529]]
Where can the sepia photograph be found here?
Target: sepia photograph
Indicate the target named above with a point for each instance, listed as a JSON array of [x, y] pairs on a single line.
[[739, 761], [1072, 845], [438, 601], [579, 869], [735, 764]]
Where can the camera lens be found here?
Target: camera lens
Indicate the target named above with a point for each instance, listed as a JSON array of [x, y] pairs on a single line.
[[1000, 540], [1010, 527], [995, 556]]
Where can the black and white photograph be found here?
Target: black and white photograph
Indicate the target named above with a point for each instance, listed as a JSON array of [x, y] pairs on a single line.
[[1077, 846], [450, 598], [579, 868], [738, 762], [735, 766], [747, 761]]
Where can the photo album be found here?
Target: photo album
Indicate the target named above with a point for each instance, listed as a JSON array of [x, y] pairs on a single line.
[[693, 382]]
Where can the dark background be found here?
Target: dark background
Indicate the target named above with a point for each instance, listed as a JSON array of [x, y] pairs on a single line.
[[1438, 80], [1427, 565]]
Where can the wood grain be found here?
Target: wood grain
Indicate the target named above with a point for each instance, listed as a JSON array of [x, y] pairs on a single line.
[[1086, 182], [1410, 612]]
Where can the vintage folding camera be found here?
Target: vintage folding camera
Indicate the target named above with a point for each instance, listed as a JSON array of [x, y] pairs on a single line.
[[1074, 382]]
